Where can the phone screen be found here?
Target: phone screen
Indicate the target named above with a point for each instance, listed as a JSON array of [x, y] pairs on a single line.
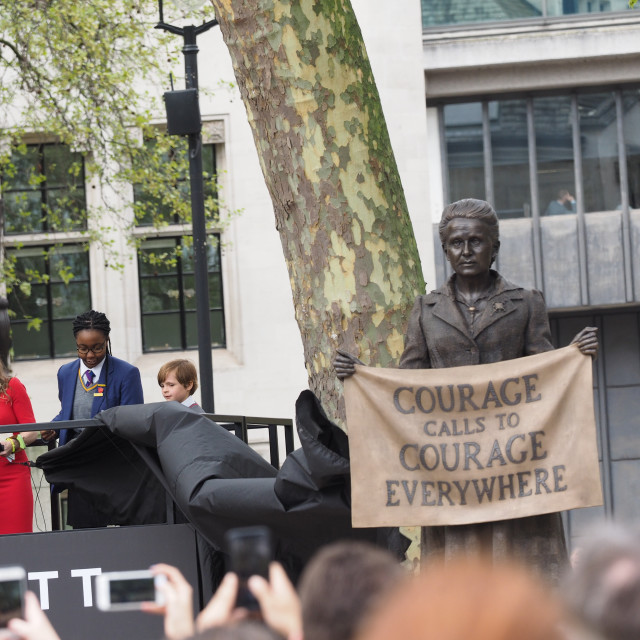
[[127, 590], [132, 590], [11, 598], [250, 551]]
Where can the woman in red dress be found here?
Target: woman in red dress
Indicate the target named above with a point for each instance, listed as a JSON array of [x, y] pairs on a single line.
[[16, 496]]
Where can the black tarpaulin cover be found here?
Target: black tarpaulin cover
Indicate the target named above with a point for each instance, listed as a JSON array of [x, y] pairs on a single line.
[[219, 482], [108, 473]]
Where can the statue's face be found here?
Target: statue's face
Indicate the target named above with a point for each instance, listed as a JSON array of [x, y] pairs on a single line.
[[468, 247]]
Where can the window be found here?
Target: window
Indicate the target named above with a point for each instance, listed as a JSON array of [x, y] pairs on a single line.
[[631, 134], [43, 190], [56, 286], [167, 294], [451, 12], [463, 126], [554, 151], [152, 208], [510, 159], [529, 153]]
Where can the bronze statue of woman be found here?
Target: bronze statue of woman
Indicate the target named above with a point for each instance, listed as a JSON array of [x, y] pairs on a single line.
[[479, 317]]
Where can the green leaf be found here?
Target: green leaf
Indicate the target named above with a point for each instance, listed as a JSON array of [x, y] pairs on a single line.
[[34, 323], [25, 288]]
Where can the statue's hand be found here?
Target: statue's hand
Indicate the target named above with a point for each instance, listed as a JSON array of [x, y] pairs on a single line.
[[587, 341], [345, 364]]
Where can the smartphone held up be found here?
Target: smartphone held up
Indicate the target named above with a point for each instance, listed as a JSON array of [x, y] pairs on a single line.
[[13, 584], [250, 551], [127, 590]]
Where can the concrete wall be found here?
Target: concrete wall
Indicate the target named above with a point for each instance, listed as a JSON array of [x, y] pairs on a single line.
[[531, 55]]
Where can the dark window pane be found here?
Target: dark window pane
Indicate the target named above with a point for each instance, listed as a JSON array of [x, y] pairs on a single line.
[[510, 153], [209, 159], [48, 298], [22, 211], [162, 264], [32, 304], [161, 332], [599, 146], [61, 166], [30, 343], [66, 300], [152, 206], [158, 257], [213, 254], [216, 327], [631, 123], [170, 293], [189, 291], [31, 261], [569, 7], [465, 160], [66, 209], [554, 149], [65, 343], [160, 294], [26, 166], [441, 12], [437, 12], [64, 261], [215, 290], [44, 191]]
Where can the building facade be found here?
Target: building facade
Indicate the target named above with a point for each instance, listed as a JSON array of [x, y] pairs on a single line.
[[535, 106]]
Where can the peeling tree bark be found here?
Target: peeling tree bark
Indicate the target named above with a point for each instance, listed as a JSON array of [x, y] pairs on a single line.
[[325, 152]]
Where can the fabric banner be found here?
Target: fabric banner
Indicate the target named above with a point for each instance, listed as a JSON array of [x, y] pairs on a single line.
[[472, 444]]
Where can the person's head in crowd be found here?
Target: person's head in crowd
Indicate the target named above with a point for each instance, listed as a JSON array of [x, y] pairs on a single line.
[[467, 599], [91, 331], [178, 379], [602, 590], [342, 584]]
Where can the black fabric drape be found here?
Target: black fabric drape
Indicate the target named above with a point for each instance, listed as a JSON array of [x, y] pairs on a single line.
[[218, 482], [107, 475]]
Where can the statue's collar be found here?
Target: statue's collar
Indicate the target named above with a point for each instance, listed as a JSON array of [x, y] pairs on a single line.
[[501, 285]]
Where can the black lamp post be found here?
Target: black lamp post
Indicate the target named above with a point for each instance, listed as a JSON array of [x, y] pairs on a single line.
[[183, 118]]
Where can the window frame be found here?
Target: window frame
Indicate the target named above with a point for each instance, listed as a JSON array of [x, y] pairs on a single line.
[[175, 233], [50, 321], [574, 94], [45, 192]]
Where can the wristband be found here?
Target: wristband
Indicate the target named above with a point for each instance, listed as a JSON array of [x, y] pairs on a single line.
[[21, 441]]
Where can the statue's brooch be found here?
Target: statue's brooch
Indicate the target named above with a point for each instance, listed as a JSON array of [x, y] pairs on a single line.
[[498, 306]]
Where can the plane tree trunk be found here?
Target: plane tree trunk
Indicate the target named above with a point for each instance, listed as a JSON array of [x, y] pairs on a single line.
[[324, 148]]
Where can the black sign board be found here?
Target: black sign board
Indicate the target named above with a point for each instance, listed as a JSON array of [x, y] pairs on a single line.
[[61, 566]]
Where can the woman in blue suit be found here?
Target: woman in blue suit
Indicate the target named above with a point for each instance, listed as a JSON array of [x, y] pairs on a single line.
[[90, 384]]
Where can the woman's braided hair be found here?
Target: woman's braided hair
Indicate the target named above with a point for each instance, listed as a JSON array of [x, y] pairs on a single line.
[[93, 320]]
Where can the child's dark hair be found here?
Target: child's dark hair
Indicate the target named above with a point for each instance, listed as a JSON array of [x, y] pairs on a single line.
[[91, 320], [185, 372]]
